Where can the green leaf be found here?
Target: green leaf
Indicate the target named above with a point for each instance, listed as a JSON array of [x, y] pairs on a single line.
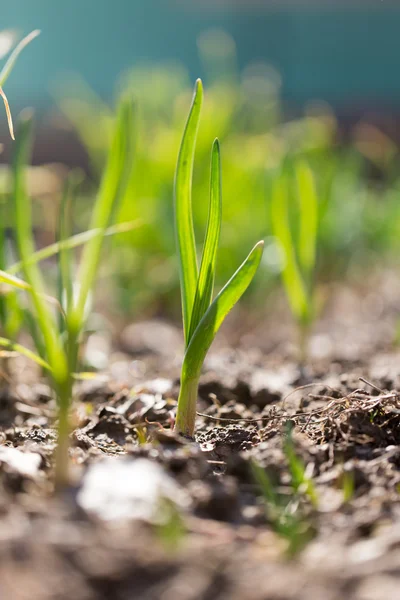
[[216, 313], [65, 282], [205, 283], [12, 315], [183, 211], [113, 186], [294, 284], [267, 488], [286, 521], [23, 224], [32, 326], [20, 284], [3, 238], [3, 307], [301, 483], [9, 345], [74, 242], [308, 218], [14, 281]]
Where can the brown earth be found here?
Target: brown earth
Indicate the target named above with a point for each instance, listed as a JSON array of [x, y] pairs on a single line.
[[326, 524]]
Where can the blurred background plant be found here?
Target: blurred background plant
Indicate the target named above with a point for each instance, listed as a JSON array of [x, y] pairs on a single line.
[[265, 116], [358, 214]]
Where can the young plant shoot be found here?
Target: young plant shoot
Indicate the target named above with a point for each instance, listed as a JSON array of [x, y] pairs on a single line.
[[298, 258], [60, 336], [202, 316]]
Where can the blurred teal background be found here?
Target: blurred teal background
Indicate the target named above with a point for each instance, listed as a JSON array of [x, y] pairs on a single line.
[[346, 53]]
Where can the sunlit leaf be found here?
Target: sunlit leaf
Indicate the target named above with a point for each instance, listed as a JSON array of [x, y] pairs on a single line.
[[186, 246], [205, 282], [294, 284], [13, 347]]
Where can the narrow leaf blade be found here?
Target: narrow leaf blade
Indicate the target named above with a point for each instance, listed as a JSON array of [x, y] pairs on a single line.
[[9, 345], [294, 285], [23, 225], [64, 257], [184, 232], [74, 241], [112, 188], [216, 313], [308, 218], [205, 283]]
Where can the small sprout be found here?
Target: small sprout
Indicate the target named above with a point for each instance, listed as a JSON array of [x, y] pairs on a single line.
[[299, 255], [202, 316], [301, 481], [8, 67], [283, 513], [58, 340]]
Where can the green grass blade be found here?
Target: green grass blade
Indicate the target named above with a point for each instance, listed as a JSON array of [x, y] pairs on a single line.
[[308, 218], [112, 188], [3, 314], [294, 284], [267, 488], [30, 321], [3, 213], [14, 282], [12, 347], [13, 315], [23, 224], [288, 524], [216, 313], [74, 242], [20, 284], [8, 67], [184, 232], [300, 481], [65, 282], [10, 309], [205, 283]]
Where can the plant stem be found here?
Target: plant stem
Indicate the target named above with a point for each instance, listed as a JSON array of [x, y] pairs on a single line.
[[186, 412], [304, 334], [62, 479]]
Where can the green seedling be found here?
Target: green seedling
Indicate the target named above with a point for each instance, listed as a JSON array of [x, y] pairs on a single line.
[[299, 256], [61, 323], [300, 481], [6, 71], [11, 313], [11, 316], [348, 485], [355, 216], [282, 512], [202, 316], [172, 531]]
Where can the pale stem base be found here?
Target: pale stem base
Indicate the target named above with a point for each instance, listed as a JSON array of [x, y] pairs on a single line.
[[303, 336], [187, 403], [62, 475]]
